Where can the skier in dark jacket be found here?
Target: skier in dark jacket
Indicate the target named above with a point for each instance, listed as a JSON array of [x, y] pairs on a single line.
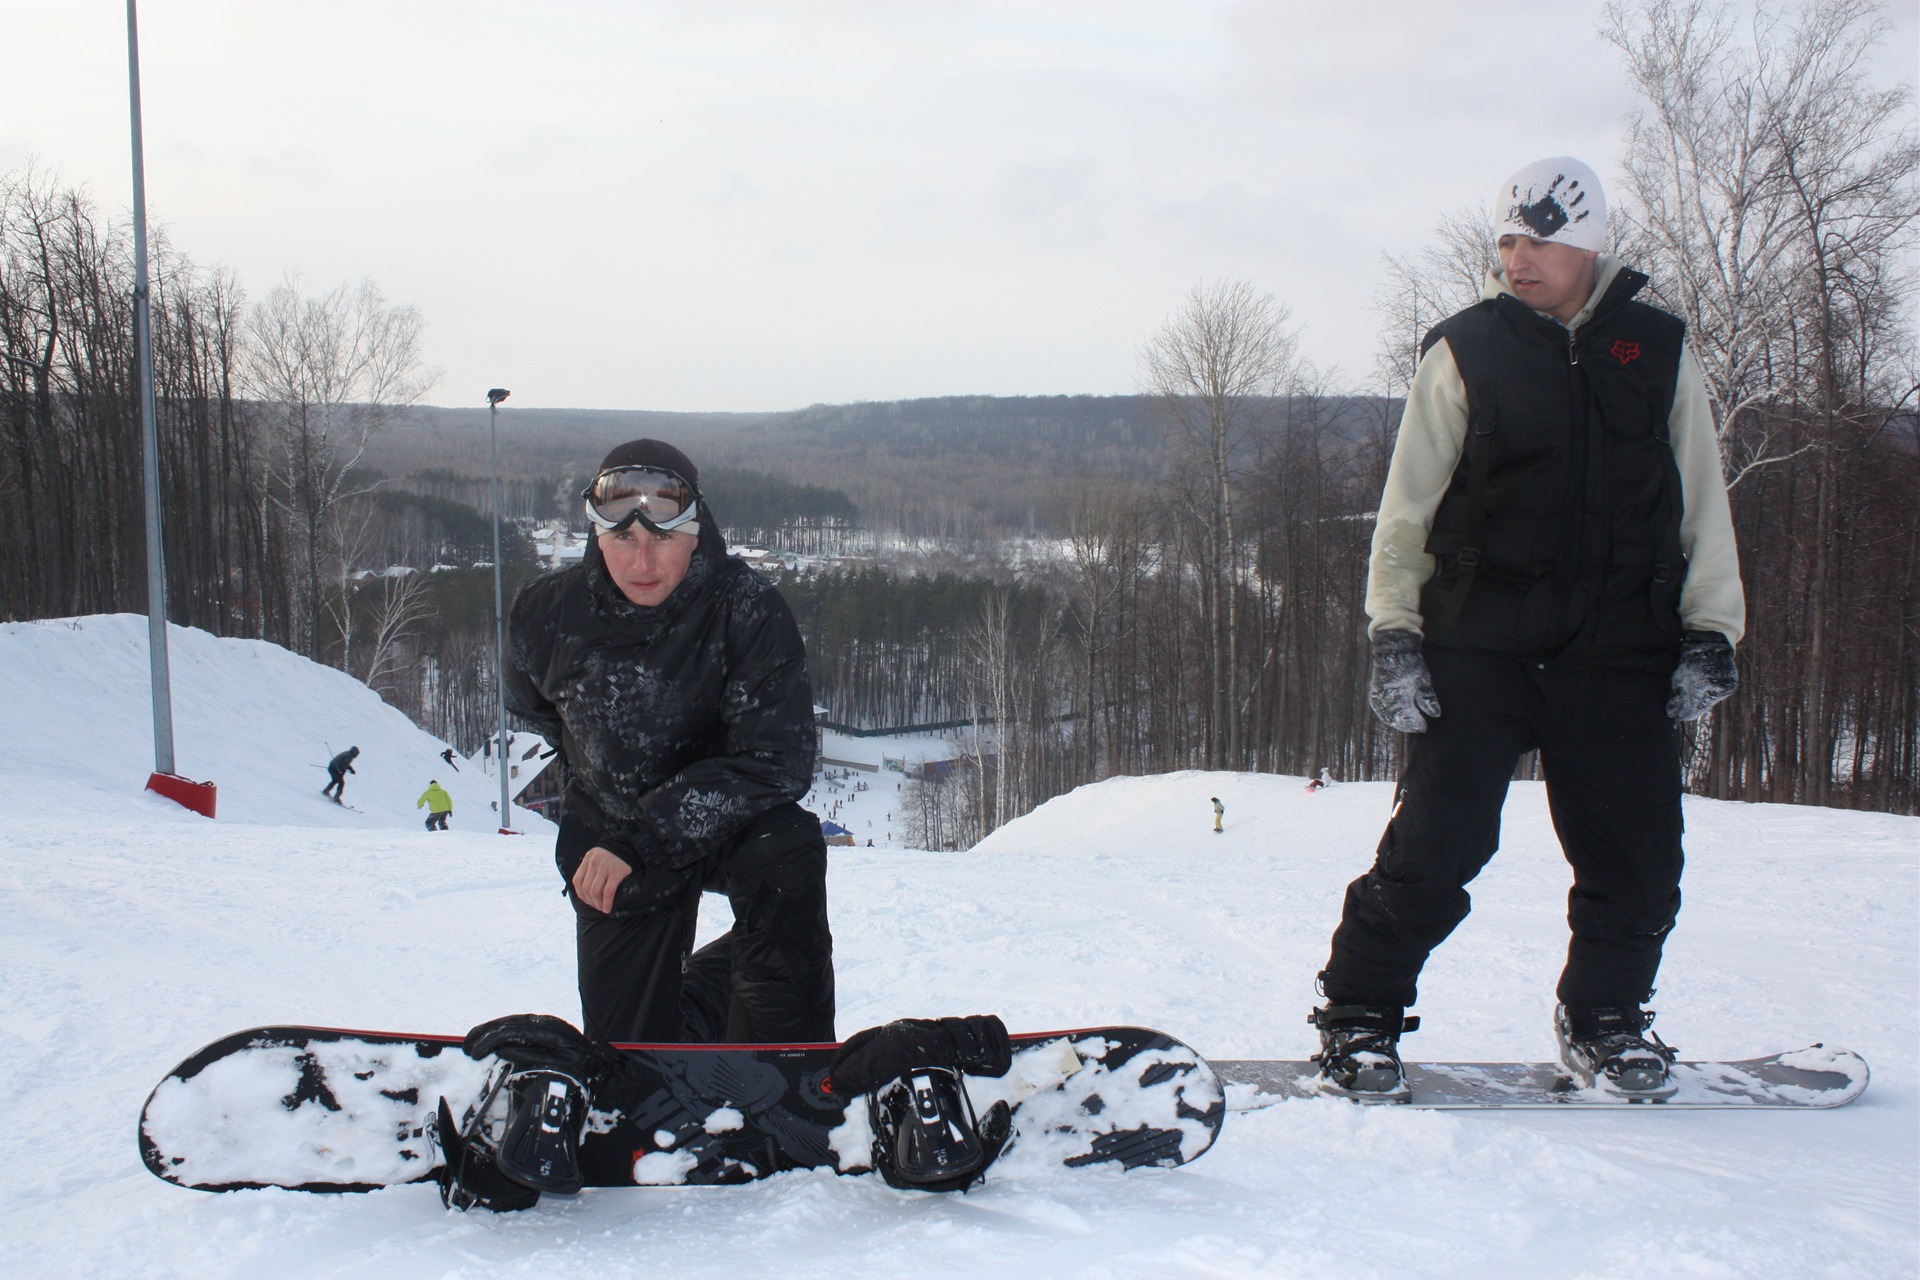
[[1553, 569], [337, 770], [674, 680]]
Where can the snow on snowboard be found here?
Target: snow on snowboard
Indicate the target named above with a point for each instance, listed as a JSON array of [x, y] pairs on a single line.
[[320, 1109], [1815, 1077]]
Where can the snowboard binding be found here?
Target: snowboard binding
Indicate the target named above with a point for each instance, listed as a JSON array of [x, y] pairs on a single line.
[[546, 1111], [1613, 1049], [926, 1136], [1359, 1054], [520, 1139], [470, 1174]]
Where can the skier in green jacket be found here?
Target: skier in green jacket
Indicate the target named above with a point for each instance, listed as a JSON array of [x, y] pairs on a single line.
[[438, 804]]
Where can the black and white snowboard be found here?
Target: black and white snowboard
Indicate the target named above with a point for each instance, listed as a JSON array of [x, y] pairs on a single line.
[[1815, 1077], [318, 1109]]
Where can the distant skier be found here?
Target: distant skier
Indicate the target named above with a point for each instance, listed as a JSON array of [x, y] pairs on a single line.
[[337, 770], [438, 803], [447, 755], [1219, 812], [1583, 628]]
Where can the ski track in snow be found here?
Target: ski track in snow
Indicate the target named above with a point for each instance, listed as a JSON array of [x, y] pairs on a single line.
[[137, 932]]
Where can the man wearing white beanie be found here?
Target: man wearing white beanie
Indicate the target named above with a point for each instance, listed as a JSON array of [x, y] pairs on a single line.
[[1553, 569]]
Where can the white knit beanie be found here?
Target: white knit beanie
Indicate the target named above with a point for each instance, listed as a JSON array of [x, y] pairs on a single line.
[[1557, 199]]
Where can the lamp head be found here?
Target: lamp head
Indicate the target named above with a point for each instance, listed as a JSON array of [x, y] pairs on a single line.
[[498, 394]]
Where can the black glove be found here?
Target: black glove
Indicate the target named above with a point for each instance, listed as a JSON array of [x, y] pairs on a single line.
[[1398, 687], [977, 1045], [1706, 674], [539, 1041]]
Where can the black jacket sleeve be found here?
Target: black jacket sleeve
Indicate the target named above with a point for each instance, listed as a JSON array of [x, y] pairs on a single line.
[[530, 632]]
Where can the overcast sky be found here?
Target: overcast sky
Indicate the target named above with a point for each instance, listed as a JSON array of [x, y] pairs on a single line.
[[756, 204]]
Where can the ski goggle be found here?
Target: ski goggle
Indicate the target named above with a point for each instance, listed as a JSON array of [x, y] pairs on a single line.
[[658, 499]]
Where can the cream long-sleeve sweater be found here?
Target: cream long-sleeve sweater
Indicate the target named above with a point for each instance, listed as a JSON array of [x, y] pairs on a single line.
[[1432, 434]]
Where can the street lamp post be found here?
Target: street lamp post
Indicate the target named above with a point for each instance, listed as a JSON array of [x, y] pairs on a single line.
[[198, 796], [143, 360], [494, 397]]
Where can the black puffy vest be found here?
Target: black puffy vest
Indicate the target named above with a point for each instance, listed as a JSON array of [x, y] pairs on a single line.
[[1558, 538]]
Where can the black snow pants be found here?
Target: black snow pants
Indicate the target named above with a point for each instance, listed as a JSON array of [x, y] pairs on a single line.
[[1611, 761], [767, 980]]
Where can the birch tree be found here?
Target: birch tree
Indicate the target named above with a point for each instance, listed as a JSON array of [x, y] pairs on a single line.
[[1217, 366]]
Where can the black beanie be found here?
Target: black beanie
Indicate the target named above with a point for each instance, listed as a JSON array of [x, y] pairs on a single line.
[[653, 453]]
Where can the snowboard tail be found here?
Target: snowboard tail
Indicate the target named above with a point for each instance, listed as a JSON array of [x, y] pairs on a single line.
[[322, 1109], [1816, 1078]]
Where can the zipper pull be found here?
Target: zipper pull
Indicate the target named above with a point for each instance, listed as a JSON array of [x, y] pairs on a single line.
[[1573, 349]]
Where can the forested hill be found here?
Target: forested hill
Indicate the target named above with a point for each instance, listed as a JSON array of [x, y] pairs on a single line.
[[943, 467], [1062, 432]]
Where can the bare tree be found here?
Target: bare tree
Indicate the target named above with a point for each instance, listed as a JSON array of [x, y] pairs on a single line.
[[1217, 366], [1703, 207], [327, 371], [1770, 190], [990, 642], [398, 607], [1103, 547], [1425, 288]]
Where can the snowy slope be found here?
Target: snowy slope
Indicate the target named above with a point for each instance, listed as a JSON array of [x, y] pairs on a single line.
[[258, 721], [136, 932]]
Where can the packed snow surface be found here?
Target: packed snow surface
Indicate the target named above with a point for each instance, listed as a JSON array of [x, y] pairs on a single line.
[[135, 932]]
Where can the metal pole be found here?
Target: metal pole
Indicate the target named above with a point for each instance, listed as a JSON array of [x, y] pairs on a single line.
[[149, 432], [494, 397]]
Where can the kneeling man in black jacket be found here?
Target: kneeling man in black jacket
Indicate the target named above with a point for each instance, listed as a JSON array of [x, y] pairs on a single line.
[[674, 680]]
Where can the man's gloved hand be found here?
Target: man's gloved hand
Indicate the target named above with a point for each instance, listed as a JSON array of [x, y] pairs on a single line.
[[1706, 674], [650, 888], [1398, 687], [538, 1041], [977, 1045]]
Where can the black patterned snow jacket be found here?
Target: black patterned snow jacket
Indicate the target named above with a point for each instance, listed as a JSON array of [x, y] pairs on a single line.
[[677, 724]]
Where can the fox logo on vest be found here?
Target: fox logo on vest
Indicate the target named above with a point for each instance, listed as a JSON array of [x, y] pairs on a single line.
[[1626, 352]]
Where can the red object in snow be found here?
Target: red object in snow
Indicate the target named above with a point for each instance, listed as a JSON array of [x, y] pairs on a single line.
[[197, 796]]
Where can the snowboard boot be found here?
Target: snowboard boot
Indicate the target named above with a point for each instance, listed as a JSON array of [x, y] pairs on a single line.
[[540, 1148], [1360, 1051], [1610, 1047], [925, 1134]]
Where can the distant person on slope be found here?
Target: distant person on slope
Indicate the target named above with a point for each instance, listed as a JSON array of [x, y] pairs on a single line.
[[337, 770], [1219, 812], [439, 805], [1553, 568], [447, 755]]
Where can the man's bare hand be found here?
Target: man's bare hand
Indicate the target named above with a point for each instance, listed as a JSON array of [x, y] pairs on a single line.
[[598, 877]]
